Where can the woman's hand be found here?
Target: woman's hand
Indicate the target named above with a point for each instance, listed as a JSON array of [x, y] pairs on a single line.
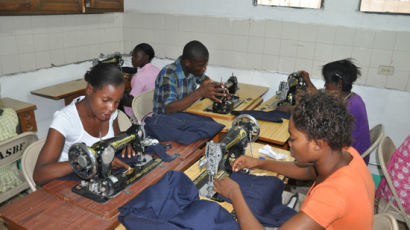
[[129, 151], [244, 162], [117, 163], [226, 187]]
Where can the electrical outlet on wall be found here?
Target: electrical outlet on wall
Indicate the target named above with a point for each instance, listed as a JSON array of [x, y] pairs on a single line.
[[386, 70]]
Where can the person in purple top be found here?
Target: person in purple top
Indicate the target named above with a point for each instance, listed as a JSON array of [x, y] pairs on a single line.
[[339, 77]]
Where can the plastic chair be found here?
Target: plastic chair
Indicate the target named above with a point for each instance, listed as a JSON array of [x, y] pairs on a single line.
[[123, 121], [142, 104], [385, 221], [376, 135], [15, 146], [29, 160], [385, 152]]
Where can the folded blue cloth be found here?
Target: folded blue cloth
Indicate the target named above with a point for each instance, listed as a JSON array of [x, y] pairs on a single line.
[[173, 203], [184, 128], [263, 194], [273, 116]]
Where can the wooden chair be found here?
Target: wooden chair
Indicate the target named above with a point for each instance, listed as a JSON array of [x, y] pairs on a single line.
[[385, 221], [29, 160], [385, 152], [142, 104], [123, 121], [12, 150], [376, 135]]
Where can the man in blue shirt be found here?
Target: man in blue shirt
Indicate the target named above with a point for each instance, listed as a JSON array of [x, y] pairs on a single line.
[[176, 84]]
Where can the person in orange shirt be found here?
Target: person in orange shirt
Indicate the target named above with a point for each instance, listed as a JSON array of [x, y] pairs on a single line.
[[342, 195]]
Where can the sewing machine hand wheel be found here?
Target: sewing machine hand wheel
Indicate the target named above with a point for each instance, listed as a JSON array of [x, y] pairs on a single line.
[[251, 125]]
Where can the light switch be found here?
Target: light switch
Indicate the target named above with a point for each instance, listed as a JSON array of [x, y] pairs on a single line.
[[385, 70]]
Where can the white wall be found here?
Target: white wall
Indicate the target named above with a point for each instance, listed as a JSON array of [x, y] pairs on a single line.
[[32, 42], [334, 12]]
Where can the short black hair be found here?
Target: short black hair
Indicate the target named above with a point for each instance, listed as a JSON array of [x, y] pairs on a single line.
[[344, 70], [195, 51], [324, 116], [104, 74], [146, 48]]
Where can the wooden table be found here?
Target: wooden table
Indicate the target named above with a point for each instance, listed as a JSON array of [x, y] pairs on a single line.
[[70, 90], [55, 206], [67, 91], [25, 112], [271, 132], [250, 94]]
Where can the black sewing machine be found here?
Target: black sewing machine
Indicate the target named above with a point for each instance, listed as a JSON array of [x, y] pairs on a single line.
[[287, 90], [93, 164], [114, 58], [219, 156], [229, 102]]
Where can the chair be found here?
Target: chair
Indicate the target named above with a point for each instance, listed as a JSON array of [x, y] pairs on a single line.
[[143, 105], [11, 150], [376, 135], [385, 152], [385, 221], [29, 160], [123, 121]]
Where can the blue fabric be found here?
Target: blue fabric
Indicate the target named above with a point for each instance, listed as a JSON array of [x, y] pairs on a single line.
[[173, 204], [263, 194], [184, 128], [273, 116]]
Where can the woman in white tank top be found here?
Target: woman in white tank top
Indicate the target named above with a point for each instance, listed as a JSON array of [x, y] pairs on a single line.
[[87, 119]]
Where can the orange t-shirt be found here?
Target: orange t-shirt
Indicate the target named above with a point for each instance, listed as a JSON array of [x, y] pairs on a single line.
[[345, 199]]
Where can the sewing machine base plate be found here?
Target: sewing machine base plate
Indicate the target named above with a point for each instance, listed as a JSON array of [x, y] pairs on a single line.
[[139, 171]]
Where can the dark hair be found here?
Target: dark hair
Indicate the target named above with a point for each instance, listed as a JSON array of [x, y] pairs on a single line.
[[195, 51], [146, 48], [104, 74], [344, 70], [324, 116]]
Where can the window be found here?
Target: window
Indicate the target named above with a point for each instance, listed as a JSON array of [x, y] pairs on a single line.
[[386, 6], [315, 4]]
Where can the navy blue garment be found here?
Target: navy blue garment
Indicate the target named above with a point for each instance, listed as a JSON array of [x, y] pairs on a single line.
[[263, 194], [173, 204], [184, 128], [273, 116], [154, 149]]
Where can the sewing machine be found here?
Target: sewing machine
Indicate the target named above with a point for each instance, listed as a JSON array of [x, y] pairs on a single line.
[[114, 58], [219, 156], [229, 102], [287, 90], [93, 164]]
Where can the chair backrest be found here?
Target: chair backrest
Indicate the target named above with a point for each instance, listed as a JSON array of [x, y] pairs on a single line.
[[29, 160], [376, 135], [385, 152], [123, 121], [385, 221], [142, 104], [12, 149]]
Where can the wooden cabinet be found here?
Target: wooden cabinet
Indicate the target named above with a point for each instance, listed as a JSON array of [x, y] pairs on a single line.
[[25, 112], [15, 5], [96, 6], [31, 7]]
